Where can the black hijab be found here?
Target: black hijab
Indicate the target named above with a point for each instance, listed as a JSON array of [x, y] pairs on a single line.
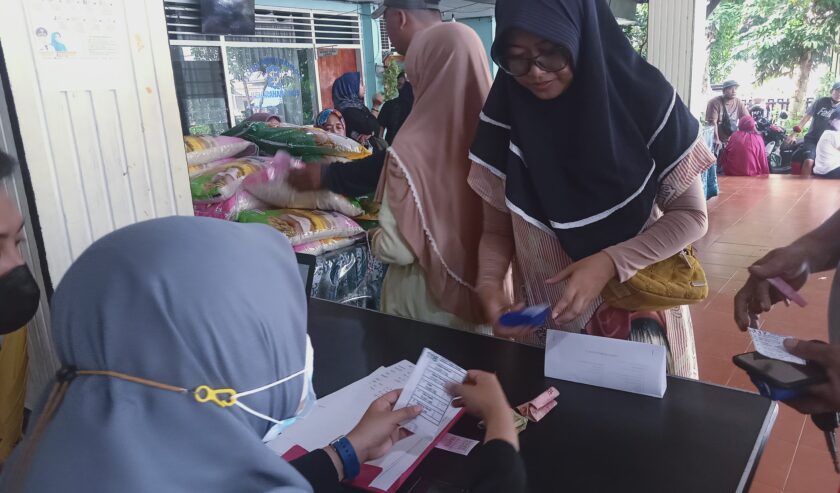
[[586, 165]]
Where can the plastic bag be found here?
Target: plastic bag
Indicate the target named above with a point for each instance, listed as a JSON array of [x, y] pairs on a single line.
[[269, 185], [307, 143], [324, 246], [304, 226], [229, 209], [221, 181], [204, 149], [371, 209]]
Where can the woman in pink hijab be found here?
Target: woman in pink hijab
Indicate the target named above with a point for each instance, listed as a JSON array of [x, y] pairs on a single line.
[[430, 218], [744, 155]]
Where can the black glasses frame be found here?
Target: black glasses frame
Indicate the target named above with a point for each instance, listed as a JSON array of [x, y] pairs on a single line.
[[537, 60]]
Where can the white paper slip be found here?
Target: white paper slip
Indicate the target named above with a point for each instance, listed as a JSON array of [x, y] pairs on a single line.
[[427, 387], [456, 444], [610, 363], [336, 414], [771, 345]]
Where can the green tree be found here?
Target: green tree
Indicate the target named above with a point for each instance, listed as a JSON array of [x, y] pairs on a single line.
[[787, 36], [722, 33], [637, 32]]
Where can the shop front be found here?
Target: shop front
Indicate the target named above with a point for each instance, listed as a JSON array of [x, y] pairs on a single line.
[[287, 68]]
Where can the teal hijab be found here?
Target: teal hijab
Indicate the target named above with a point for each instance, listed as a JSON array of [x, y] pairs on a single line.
[[186, 302]]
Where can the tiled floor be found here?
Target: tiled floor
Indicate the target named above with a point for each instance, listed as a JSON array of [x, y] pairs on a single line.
[[750, 217]]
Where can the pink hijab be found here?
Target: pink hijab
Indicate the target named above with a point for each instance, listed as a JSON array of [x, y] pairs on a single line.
[[426, 170], [744, 154]]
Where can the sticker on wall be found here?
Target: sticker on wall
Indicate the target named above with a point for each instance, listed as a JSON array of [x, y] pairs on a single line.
[[67, 29]]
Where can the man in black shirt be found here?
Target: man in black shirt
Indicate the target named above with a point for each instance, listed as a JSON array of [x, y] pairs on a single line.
[[820, 112], [404, 19]]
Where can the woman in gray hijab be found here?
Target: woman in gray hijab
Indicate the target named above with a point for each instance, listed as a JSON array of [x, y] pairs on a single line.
[[183, 343], [143, 320]]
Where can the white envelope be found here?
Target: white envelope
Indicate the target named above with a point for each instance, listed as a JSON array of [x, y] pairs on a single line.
[[610, 363]]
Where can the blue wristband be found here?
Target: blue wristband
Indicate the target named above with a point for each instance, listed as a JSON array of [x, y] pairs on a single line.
[[345, 451]]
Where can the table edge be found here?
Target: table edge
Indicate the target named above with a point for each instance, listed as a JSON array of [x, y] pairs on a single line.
[[758, 449]]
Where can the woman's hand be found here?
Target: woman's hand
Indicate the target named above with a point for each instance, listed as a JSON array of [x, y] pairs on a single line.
[[585, 279], [496, 304], [481, 395], [379, 428], [306, 178]]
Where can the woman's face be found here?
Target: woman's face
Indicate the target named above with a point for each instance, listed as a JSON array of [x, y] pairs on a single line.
[[334, 126], [362, 90], [523, 47]]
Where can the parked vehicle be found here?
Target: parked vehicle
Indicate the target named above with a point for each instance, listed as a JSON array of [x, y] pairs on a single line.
[[774, 139]]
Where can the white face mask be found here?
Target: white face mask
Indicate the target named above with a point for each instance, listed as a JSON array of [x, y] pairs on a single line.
[[307, 397]]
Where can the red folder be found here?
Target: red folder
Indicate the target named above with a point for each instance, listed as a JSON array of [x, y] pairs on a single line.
[[368, 473]]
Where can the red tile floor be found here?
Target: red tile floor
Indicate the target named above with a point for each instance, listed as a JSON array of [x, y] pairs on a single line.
[[750, 217]]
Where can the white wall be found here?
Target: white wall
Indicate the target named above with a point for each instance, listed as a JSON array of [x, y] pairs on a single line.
[[99, 121], [676, 45]]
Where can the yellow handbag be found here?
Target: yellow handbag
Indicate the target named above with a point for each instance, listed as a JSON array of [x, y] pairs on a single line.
[[675, 281]]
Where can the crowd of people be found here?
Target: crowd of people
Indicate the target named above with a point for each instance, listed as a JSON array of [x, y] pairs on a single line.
[[494, 196], [741, 149]]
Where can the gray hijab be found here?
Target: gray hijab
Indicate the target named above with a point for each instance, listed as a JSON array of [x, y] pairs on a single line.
[[187, 302]]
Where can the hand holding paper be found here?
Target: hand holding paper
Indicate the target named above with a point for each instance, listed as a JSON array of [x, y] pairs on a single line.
[[772, 346], [379, 428], [427, 387]]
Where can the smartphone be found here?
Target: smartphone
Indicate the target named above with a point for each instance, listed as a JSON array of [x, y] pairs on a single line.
[[779, 380]]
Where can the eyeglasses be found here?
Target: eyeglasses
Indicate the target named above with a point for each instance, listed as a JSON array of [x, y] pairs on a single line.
[[553, 61]]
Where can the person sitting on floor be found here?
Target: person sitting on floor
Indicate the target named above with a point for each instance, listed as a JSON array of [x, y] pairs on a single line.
[[827, 164], [152, 417], [745, 154]]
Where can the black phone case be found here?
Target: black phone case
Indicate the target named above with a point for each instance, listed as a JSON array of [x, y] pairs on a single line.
[[817, 373]]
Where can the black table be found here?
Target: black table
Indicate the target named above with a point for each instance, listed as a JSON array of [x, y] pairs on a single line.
[[699, 438]]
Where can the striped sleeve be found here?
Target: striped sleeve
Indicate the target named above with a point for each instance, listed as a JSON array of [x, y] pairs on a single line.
[[698, 159]]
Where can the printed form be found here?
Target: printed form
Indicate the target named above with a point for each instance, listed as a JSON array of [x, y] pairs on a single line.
[[427, 387], [336, 414]]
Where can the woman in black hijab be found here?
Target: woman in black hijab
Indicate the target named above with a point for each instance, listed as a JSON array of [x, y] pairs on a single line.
[[395, 111], [587, 161]]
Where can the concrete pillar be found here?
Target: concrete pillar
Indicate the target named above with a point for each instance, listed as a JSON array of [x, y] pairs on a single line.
[[677, 46]]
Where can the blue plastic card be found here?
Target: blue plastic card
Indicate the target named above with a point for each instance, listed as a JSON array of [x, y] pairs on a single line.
[[533, 316]]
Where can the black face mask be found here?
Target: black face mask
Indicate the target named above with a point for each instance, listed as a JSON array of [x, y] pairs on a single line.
[[19, 298]]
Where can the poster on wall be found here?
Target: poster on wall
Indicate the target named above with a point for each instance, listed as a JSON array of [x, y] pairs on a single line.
[[66, 29], [225, 17]]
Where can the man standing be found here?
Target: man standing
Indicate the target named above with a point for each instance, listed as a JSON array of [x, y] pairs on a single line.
[[724, 112], [404, 19], [820, 112]]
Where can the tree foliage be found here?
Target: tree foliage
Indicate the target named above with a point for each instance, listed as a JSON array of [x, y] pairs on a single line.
[[780, 34], [722, 31], [638, 33]]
